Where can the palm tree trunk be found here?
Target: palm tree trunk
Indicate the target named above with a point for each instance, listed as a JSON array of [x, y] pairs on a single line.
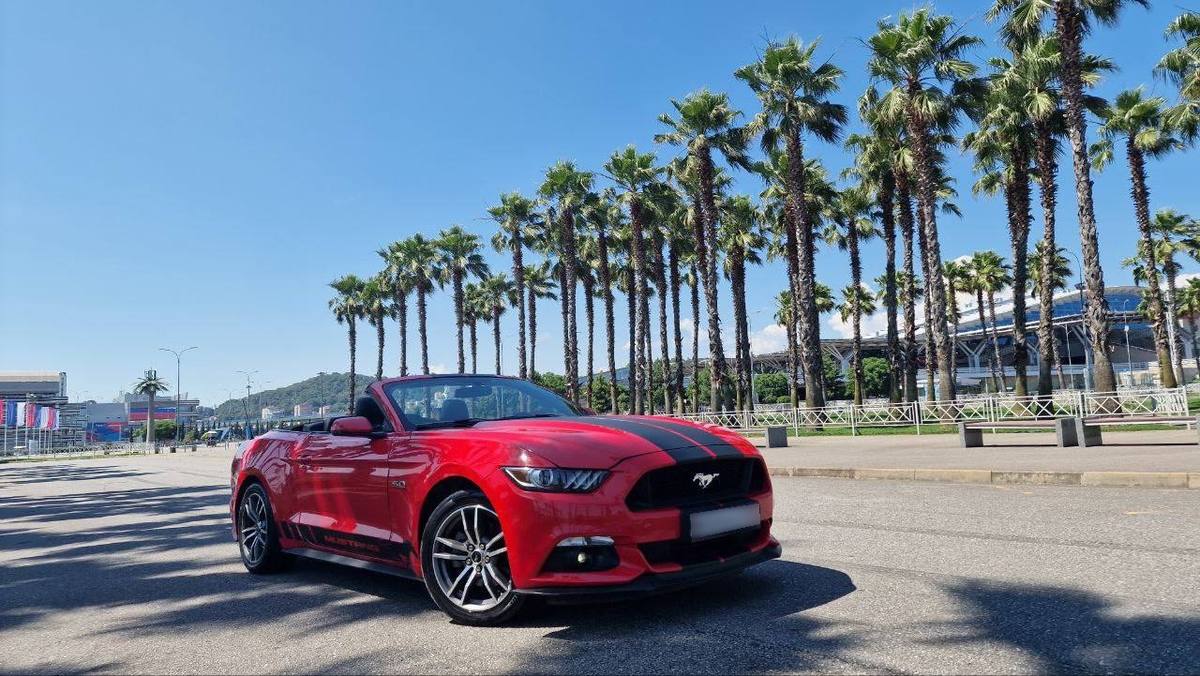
[[457, 284], [150, 431], [887, 211], [351, 378], [793, 363], [1019, 224], [1158, 315], [379, 330], [738, 283], [474, 346], [422, 329], [932, 251], [562, 308], [1171, 301], [660, 282], [572, 344], [402, 318], [673, 267], [695, 339], [496, 335], [589, 313], [1191, 320], [908, 351], [991, 301], [931, 348], [983, 327], [707, 249], [1068, 21], [804, 295], [609, 324], [1047, 170], [532, 334], [639, 293], [518, 270], [635, 391]]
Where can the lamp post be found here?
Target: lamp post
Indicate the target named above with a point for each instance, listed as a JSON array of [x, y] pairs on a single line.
[[1067, 345], [178, 390], [246, 402]]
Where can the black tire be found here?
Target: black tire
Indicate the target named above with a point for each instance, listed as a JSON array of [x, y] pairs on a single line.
[[509, 603], [266, 557]]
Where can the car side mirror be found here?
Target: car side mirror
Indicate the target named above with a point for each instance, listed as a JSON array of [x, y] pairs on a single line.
[[355, 426]]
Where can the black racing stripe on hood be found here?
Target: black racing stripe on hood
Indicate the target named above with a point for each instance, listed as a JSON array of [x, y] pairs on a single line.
[[720, 447], [666, 440]]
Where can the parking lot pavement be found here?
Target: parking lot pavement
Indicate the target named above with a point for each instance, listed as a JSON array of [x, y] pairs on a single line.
[[128, 565]]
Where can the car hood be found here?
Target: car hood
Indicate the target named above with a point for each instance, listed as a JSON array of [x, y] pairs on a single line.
[[603, 441]]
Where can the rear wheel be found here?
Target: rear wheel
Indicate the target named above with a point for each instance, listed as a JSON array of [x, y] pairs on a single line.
[[258, 536], [465, 559]]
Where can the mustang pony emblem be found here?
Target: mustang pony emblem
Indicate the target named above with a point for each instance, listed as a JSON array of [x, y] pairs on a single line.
[[705, 479]]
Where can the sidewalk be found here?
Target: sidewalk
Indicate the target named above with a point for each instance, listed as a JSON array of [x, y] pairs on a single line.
[[1161, 459]]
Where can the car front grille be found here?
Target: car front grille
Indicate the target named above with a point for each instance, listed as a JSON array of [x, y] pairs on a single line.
[[697, 483], [687, 553]]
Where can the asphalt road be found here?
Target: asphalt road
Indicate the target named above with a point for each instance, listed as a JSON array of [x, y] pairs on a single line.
[[127, 565]]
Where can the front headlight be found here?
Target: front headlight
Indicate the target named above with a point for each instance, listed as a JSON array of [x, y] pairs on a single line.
[[555, 479]]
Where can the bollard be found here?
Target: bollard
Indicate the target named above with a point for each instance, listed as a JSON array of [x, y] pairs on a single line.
[[777, 437]]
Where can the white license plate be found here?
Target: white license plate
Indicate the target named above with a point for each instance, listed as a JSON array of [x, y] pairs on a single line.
[[710, 524]]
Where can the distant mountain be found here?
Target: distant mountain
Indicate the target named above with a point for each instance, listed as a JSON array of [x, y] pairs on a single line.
[[320, 390]]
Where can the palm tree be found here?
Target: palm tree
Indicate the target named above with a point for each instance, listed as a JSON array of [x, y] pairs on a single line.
[[398, 278], [587, 248], [458, 259], [634, 173], [1056, 270], [675, 229], [567, 187], [421, 259], [1073, 19], [706, 124], [150, 385], [498, 293], [990, 275], [1176, 233], [741, 238], [785, 317], [516, 215], [475, 310], [347, 308], [376, 305], [856, 302], [1138, 122], [1189, 306], [666, 206], [850, 224], [691, 277], [921, 57], [794, 93], [603, 215], [1181, 66], [958, 279], [538, 285]]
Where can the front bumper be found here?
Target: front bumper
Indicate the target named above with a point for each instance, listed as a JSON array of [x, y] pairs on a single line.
[[658, 583], [651, 545]]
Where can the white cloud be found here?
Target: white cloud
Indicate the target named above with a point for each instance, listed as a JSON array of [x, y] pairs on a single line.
[[770, 338]]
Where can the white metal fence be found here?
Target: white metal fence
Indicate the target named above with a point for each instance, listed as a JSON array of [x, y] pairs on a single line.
[[1139, 403]]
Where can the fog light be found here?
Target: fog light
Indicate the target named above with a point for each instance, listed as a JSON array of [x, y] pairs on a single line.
[[582, 559], [580, 554]]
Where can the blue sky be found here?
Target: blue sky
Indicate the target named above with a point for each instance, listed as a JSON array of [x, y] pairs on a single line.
[[188, 173]]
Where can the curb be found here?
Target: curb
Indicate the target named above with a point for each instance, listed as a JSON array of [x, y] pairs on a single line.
[[1183, 480]]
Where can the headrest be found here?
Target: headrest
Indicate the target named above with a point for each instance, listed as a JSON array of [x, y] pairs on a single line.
[[454, 409]]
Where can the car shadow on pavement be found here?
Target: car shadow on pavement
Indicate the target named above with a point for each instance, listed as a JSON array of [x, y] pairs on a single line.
[[18, 473], [1071, 630]]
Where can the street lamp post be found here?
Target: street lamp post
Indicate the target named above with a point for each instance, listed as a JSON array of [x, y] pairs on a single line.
[[246, 402], [178, 390], [1067, 345]]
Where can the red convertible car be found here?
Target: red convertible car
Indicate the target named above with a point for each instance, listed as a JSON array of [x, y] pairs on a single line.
[[493, 490]]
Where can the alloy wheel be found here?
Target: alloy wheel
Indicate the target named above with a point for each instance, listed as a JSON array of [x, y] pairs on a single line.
[[470, 559], [252, 528]]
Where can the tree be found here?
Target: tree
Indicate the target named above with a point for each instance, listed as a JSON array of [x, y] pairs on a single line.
[[150, 385], [538, 285], [1073, 19], [567, 188], [1176, 233], [634, 173], [921, 57], [398, 278], [877, 375], [1189, 306], [990, 275], [377, 306], [475, 310], [459, 259], [794, 93], [958, 279], [1048, 274], [421, 259], [706, 124], [1181, 66], [741, 238], [850, 224], [516, 215], [587, 251], [498, 294], [603, 215], [347, 308], [1138, 123]]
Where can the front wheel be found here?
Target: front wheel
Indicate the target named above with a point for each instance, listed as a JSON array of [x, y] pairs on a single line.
[[258, 536], [465, 559]]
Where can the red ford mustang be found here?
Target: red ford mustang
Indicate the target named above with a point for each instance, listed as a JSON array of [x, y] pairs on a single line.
[[493, 490]]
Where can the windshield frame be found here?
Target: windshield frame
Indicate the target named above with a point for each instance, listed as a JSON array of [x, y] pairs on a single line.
[[434, 381]]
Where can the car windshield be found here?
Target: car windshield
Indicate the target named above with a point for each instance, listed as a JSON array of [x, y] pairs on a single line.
[[462, 401]]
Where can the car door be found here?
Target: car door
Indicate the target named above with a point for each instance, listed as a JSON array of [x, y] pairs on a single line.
[[340, 484]]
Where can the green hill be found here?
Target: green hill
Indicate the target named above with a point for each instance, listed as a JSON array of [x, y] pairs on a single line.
[[320, 390]]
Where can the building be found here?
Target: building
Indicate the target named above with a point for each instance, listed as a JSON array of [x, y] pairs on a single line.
[[304, 411], [273, 413], [166, 407], [33, 385], [35, 413]]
